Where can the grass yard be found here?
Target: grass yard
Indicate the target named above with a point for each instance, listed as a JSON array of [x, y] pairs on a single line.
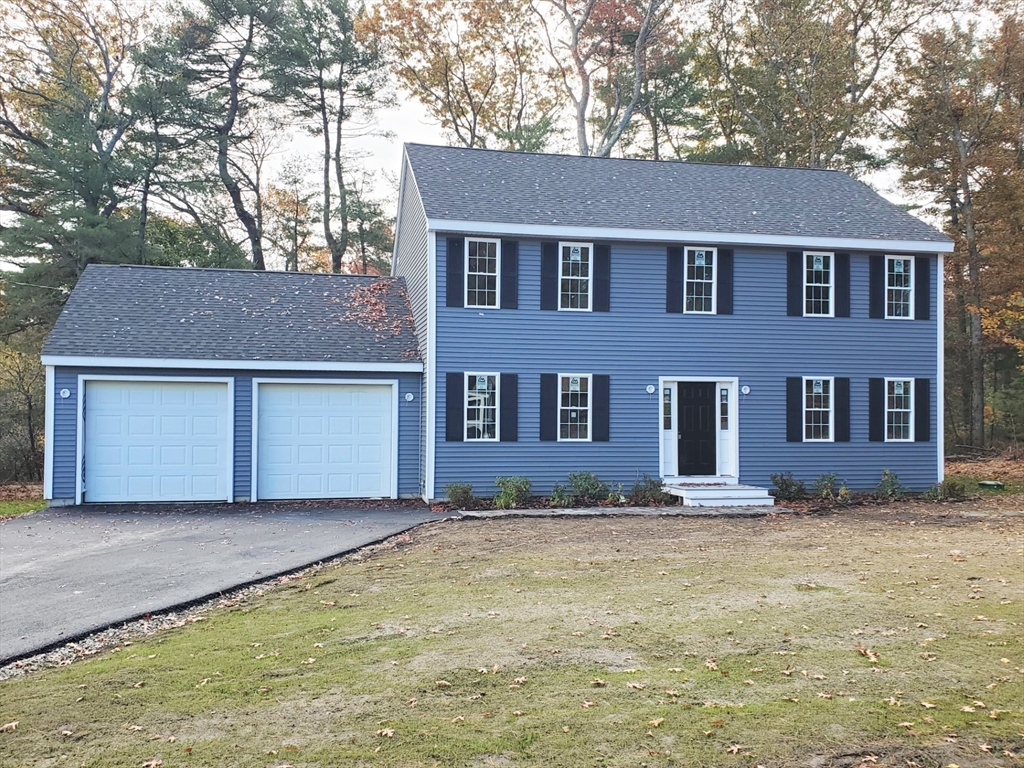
[[867, 638], [20, 498]]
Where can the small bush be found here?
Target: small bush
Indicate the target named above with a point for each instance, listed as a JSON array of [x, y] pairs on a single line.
[[787, 487], [890, 487], [648, 491], [843, 496], [950, 490], [560, 497], [514, 494], [827, 486], [460, 495], [588, 488]]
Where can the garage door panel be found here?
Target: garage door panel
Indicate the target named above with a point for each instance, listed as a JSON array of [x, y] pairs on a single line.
[[319, 435], [156, 441]]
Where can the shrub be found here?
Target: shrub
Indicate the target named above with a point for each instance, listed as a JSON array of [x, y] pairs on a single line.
[[827, 486], [951, 490], [844, 494], [560, 496], [788, 488], [648, 491], [460, 495], [514, 493], [588, 488], [890, 487]]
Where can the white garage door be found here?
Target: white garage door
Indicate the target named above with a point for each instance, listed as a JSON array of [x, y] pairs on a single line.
[[156, 441], [324, 441]]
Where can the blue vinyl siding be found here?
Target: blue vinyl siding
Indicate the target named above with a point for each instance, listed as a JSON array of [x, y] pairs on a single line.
[[637, 341], [411, 262], [66, 422]]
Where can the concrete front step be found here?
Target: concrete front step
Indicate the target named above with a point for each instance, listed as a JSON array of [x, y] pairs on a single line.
[[721, 495]]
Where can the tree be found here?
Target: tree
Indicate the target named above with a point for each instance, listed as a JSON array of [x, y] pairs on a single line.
[[794, 82], [600, 52], [326, 64], [961, 140], [22, 404], [476, 67], [374, 237], [291, 215]]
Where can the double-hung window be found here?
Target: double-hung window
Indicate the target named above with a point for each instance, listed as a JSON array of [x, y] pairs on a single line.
[[818, 409], [899, 287], [700, 280], [574, 404], [482, 393], [576, 286], [818, 283], [482, 272], [899, 410]]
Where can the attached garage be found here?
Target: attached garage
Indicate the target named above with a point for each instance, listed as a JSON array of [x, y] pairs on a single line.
[[164, 440], [325, 440]]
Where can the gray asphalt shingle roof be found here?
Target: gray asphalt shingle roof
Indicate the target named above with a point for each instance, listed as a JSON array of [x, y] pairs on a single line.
[[566, 190], [226, 314]]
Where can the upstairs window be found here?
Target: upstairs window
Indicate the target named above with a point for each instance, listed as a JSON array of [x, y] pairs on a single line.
[[481, 406], [899, 288], [817, 410], [899, 410], [574, 406], [575, 283], [817, 284], [700, 280], [482, 288]]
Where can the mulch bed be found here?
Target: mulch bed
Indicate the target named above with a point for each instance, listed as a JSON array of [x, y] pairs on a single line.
[[17, 491]]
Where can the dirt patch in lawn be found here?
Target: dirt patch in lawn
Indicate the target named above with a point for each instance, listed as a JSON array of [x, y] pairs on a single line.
[[862, 638]]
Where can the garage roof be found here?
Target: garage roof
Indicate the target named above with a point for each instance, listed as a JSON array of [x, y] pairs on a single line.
[[175, 313]]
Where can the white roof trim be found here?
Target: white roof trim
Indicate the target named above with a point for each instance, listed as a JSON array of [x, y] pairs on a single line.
[[671, 235], [85, 361]]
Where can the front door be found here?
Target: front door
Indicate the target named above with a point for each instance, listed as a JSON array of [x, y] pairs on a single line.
[[697, 428]]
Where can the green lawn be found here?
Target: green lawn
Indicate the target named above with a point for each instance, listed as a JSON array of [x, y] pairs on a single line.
[[893, 638], [13, 507]]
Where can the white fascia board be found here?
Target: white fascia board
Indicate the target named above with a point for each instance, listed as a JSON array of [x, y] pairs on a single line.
[[228, 365], [672, 235]]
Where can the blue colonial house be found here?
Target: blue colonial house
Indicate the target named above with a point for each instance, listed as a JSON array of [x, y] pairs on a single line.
[[547, 314]]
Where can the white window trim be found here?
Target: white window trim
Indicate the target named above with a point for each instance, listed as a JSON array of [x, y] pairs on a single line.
[[590, 280], [910, 300], [885, 410], [831, 284], [497, 408], [497, 275], [831, 408], [590, 409], [714, 280]]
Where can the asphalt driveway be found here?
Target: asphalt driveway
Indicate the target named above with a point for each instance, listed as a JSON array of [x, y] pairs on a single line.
[[66, 572]]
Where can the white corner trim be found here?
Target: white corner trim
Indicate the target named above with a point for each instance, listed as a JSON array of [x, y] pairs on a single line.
[[670, 235], [48, 435], [431, 365], [92, 361], [940, 374]]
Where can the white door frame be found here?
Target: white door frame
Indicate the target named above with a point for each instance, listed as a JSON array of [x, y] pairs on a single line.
[[83, 378], [393, 383], [732, 382]]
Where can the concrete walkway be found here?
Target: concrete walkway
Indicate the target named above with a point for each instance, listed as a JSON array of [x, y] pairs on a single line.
[[68, 572]]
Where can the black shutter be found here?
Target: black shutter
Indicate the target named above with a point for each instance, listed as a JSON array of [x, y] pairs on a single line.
[[602, 277], [674, 281], [509, 274], [842, 410], [456, 272], [876, 287], [454, 407], [549, 406], [549, 275], [795, 284], [794, 409], [922, 410], [724, 299], [923, 288], [876, 410], [842, 285], [600, 407], [509, 426]]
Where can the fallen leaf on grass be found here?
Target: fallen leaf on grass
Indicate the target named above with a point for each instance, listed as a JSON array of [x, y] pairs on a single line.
[[7, 727], [443, 684], [310, 660], [458, 719], [985, 747], [153, 764], [928, 705], [905, 724], [863, 650], [597, 682], [734, 749], [65, 733], [656, 721], [139, 684], [637, 686], [134, 727], [587, 704], [386, 732]]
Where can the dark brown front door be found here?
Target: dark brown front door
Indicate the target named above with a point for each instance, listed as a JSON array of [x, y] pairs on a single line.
[[697, 428]]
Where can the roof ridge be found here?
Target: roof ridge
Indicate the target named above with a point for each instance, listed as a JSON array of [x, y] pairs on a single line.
[[241, 270]]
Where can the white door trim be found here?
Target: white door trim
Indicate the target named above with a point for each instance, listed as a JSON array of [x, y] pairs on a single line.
[[733, 383], [393, 383], [80, 431]]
